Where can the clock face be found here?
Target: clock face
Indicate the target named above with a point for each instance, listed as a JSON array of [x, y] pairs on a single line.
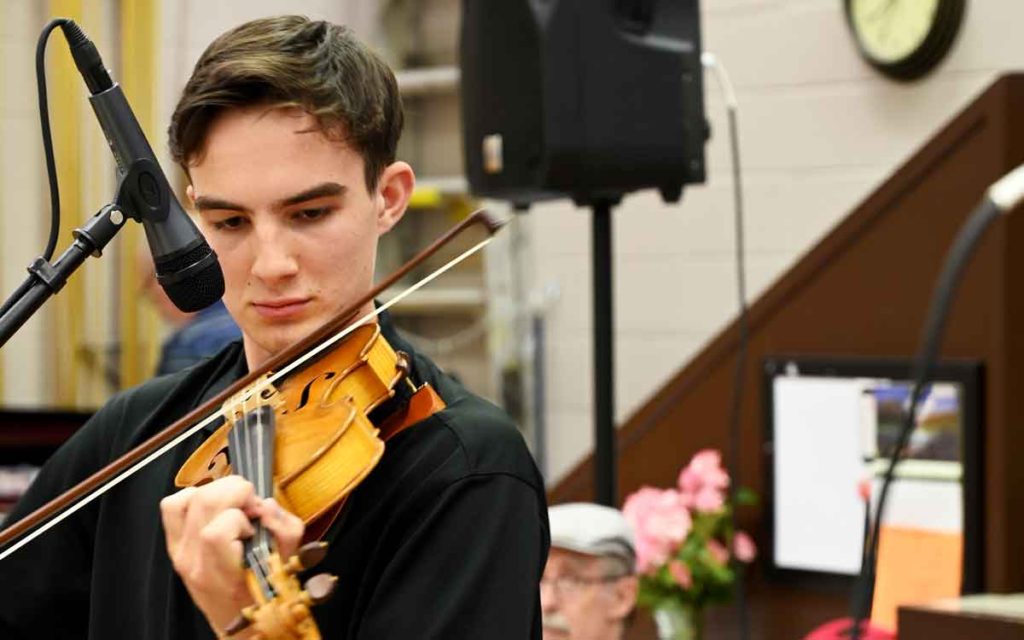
[[904, 38], [891, 30]]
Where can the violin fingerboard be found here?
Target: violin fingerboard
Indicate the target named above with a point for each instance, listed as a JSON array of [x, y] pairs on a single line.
[[251, 452], [251, 449]]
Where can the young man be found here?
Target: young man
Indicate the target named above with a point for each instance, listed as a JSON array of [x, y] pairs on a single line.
[[589, 587], [287, 130]]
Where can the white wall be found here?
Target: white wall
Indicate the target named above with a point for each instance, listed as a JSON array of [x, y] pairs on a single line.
[[25, 208], [819, 130]]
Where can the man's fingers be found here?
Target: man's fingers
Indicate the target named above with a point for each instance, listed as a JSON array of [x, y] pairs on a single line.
[[286, 527], [173, 510], [209, 500], [222, 536]]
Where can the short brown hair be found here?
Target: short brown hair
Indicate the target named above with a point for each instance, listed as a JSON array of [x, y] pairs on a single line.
[[292, 61]]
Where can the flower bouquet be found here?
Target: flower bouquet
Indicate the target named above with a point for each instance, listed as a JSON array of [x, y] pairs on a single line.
[[685, 544]]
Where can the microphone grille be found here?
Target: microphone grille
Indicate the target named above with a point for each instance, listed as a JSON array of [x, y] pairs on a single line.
[[192, 280]]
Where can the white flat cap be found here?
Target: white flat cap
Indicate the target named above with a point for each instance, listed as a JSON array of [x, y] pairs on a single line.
[[592, 529]]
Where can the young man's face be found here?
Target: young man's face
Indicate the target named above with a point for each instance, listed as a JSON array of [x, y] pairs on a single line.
[[293, 224]]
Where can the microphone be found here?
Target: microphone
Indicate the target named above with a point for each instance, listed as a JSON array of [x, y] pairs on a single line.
[[1007, 192], [1002, 197], [186, 266]]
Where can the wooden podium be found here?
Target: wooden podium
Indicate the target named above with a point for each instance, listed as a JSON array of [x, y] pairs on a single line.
[[993, 617]]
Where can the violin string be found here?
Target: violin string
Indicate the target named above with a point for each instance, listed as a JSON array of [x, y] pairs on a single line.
[[261, 471], [254, 474], [184, 435]]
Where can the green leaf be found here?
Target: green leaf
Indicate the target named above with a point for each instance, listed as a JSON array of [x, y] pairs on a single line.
[[746, 497]]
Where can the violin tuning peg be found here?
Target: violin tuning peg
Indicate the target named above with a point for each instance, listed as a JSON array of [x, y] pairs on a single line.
[[312, 554], [320, 587]]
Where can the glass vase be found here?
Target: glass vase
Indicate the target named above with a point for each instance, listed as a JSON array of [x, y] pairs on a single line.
[[677, 621]]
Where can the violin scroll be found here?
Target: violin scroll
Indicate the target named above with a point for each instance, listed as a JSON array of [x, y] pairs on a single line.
[[286, 616]]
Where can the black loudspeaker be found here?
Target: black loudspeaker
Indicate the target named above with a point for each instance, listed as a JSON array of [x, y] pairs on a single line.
[[589, 99]]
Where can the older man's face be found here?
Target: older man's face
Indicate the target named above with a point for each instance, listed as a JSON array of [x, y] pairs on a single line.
[[584, 597]]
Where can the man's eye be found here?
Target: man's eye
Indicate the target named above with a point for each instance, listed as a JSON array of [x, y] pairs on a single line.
[[313, 214], [234, 222]]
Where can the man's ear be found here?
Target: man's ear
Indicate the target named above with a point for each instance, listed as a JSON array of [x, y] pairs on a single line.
[[625, 591], [191, 193], [394, 188]]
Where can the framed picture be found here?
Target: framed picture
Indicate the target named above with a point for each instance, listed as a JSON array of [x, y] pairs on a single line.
[[830, 425]]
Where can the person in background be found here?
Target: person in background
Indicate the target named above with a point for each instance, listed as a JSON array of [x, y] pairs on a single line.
[[196, 336], [589, 587]]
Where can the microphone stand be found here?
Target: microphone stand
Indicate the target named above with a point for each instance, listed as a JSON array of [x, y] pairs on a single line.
[[136, 190]]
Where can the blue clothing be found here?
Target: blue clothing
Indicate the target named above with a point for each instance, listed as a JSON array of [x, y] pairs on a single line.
[[204, 335]]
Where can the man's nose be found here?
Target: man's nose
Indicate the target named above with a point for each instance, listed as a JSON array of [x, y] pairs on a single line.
[[548, 597], [274, 258]]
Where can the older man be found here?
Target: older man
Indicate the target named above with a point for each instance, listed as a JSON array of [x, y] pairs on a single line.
[[589, 586]]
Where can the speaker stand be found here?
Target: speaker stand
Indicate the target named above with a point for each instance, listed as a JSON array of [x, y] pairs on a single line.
[[605, 480]]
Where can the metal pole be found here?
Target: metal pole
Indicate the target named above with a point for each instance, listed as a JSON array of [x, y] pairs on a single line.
[[604, 349]]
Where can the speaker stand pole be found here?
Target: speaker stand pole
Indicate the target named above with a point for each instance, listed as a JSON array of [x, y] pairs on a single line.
[[604, 349]]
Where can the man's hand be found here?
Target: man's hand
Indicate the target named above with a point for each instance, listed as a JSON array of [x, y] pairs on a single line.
[[205, 527]]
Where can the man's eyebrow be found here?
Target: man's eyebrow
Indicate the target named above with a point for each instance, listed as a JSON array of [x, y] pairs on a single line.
[[322, 190], [207, 203]]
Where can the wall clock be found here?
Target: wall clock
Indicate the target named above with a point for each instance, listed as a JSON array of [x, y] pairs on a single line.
[[904, 39]]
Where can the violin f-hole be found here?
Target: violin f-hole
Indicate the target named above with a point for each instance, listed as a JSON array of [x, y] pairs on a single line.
[[306, 390], [218, 467]]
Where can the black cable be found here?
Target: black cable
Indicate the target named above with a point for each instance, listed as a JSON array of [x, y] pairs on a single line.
[[733, 463], [44, 121], [51, 170], [956, 260], [709, 60]]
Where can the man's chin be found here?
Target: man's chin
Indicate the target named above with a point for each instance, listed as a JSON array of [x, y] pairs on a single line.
[[276, 337], [551, 633]]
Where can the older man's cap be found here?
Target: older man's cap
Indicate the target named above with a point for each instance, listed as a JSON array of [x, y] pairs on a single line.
[[592, 529]]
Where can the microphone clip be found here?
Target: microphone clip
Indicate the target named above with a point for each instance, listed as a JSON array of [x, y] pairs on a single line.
[[46, 279], [143, 192]]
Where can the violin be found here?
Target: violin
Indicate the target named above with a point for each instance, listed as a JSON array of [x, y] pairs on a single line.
[[299, 429]]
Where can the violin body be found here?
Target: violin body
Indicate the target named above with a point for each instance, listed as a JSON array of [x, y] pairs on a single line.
[[324, 443], [323, 446]]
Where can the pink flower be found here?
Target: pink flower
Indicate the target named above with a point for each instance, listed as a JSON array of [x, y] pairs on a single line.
[[681, 573], [718, 551], [660, 523], [703, 481], [708, 499], [864, 489], [744, 548]]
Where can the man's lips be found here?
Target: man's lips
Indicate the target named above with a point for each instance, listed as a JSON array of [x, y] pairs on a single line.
[[280, 308]]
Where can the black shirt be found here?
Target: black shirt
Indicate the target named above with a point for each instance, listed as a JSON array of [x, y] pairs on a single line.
[[446, 538]]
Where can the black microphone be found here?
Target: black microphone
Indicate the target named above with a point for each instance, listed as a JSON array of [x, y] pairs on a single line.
[[186, 266]]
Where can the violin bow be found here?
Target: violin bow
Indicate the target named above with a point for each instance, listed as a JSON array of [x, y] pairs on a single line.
[[63, 506]]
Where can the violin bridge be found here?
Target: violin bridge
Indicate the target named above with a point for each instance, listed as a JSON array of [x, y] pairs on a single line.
[[261, 392]]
